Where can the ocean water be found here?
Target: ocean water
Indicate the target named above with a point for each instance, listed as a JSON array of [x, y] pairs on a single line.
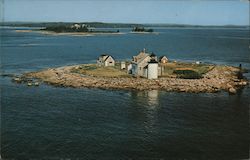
[[48, 122]]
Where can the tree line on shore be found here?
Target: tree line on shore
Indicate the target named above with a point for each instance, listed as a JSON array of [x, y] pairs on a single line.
[[142, 29]]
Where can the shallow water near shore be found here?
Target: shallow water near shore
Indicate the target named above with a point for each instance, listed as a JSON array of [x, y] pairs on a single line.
[[53, 122]]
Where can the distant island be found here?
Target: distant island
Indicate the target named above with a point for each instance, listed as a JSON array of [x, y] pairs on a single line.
[[142, 29], [100, 28], [57, 24], [77, 27], [145, 71]]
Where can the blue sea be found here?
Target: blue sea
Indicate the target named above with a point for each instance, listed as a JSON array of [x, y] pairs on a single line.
[[49, 122]]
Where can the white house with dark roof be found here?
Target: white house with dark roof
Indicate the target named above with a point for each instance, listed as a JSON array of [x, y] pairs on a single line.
[[163, 59], [106, 60]]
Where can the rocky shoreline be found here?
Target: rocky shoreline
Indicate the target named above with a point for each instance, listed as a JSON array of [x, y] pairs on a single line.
[[218, 79]]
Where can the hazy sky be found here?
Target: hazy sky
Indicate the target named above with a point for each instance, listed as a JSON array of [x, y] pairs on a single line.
[[204, 12]]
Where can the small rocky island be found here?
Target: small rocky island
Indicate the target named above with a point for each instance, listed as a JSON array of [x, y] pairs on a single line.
[[145, 72], [142, 30], [74, 28]]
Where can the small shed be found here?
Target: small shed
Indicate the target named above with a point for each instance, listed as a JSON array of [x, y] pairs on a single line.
[[123, 65], [106, 60]]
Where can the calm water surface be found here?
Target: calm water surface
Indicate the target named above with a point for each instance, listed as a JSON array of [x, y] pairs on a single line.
[[46, 122]]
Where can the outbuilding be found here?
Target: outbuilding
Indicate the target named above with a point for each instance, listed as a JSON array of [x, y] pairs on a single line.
[[123, 65], [163, 59], [106, 60]]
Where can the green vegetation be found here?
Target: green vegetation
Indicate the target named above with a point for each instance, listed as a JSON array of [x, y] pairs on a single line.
[[142, 29], [59, 29], [74, 28], [185, 70], [187, 74]]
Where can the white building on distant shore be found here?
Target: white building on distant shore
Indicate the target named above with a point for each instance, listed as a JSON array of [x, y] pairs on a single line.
[[76, 26]]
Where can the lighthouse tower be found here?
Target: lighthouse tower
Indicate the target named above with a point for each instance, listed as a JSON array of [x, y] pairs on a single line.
[[152, 69]]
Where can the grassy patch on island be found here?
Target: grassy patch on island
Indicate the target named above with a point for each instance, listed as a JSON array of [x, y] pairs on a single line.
[[185, 70], [171, 69], [100, 71]]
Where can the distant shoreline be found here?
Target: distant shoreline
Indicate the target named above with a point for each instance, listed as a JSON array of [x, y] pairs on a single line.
[[119, 25], [170, 28], [69, 33]]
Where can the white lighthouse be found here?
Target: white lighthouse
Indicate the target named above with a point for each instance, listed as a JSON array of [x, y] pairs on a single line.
[[152, 69]]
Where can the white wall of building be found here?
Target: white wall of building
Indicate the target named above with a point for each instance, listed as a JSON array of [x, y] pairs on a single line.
[[123, 65], [152, 70]]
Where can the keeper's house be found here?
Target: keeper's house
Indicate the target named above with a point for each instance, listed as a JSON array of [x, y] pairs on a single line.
[[145, 65], [106, 60]]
